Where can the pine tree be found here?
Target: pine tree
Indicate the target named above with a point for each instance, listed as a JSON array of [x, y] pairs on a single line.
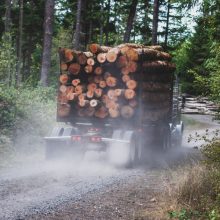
[[47, 44]]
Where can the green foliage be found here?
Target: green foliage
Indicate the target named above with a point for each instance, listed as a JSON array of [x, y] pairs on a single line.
[[201, 190], [7, 59], [9, 111], [184, 214], [26, 107]]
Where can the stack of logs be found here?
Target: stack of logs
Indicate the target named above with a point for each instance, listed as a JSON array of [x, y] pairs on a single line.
[[112, 82]]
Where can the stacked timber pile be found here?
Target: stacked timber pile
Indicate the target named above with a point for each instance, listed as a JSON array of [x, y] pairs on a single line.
[[199, 105], [108, 82]]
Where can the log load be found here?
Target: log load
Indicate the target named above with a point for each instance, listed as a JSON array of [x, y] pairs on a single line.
[[110, 82]]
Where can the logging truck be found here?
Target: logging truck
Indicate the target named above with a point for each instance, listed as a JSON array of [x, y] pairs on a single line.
[[120, 100]]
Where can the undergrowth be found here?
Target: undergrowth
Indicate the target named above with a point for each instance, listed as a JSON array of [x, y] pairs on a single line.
[[198, 196], [26, 115]]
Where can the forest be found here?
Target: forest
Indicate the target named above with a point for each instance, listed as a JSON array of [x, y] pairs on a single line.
[[32, 31]]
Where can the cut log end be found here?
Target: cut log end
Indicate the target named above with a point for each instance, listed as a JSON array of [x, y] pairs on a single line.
[[74, 68], [127, 111]]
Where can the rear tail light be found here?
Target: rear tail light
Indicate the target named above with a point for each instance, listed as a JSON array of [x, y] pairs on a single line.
[[96, 139], [76, 138], [94, 129]]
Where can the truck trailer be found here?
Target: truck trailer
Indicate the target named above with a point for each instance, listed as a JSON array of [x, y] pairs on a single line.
[[120, 100]]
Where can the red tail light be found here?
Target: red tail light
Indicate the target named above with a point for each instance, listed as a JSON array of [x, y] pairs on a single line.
[[96, 139], [76, 138], [93, 129]]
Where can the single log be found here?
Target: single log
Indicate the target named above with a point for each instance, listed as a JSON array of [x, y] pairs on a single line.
[[70, 96], [92, 87], [97, 79], [126, 78], [63, 110], [106, 75], [90, 94], [131, 54], [127, 111], [98, 70], [74, 68], [81, 96], [111, 81], [63, 88], [155, 115], [102, 84], [88, 54], [112, 55], [94, 103], [98, 92], [129, 94], [161, 77], [70, 89], [76, 82], [155, 86], [96, 48], [132, 66], [151, 54], [62, 98], [101, 57], [131, 84], [118, 92], [102, 112], [82, 58], [159, 65], [122, 61], [91, 61], [156, 105], [133, 103], [105, 99], [64, 78], [155, 97], [63, 66], [79, 89], [88, 69], [83, 103], [136, 46], [125, 70], [111, 93], [69, 55], [114, 113]]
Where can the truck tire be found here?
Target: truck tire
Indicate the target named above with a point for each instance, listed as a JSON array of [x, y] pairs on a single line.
[[124, 154]]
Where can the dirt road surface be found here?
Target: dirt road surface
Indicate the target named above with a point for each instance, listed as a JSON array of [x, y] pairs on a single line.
[[90, 189]]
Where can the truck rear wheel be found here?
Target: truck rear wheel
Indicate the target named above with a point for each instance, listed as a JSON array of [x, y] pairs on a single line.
[[124, 154]]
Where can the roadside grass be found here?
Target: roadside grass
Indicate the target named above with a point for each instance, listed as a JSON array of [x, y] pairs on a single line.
[[192, 191]]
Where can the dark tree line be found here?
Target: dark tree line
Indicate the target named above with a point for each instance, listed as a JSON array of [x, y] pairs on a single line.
[[33, 25]]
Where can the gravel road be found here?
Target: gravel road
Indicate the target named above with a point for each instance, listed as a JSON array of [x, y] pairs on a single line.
[[84, 189]]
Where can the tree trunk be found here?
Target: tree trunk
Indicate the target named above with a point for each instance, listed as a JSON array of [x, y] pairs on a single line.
[[130, 20], [48, 31], [90, 31], [155, 22], [101, 26], [7, 16], [78, 21], [167, 23], [20, 39], [107, 23], [146, 25]]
